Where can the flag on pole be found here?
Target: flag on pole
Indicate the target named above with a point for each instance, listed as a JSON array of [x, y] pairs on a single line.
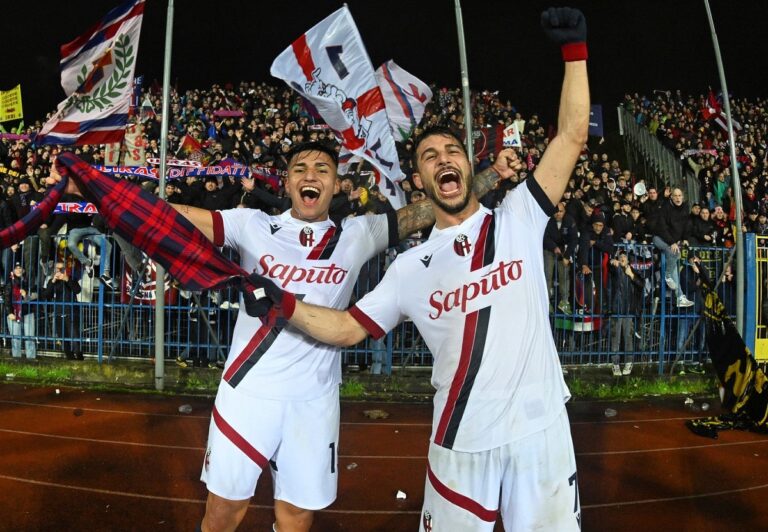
[[97, 76], [405, 98], [329, 66]]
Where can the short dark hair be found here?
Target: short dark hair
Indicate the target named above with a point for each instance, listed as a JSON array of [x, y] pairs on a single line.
[[312, 146], [429, 132]]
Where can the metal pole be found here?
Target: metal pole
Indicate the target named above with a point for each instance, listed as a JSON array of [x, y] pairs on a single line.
[[160, 271], [465, 86], [736, 181]]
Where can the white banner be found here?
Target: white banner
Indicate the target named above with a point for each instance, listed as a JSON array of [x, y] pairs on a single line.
[[328, 65], [405, 98]]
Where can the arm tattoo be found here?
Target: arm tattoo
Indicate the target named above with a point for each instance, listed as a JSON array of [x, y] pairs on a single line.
[[414, 217], [484, 182]]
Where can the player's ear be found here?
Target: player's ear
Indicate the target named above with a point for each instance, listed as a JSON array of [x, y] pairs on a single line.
[[416, 177], [336, 186]]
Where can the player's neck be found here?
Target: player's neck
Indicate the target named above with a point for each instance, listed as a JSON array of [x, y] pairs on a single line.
[[309, 219], [444, 219]]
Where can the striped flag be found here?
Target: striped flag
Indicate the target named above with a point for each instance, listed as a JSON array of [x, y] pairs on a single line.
[[329, 66], [405, 98], [97, 76]]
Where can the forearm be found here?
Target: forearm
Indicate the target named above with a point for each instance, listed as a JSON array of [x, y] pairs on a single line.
[[561, 155], [330, 326], [414, 217], [200, 218], [485, 181]]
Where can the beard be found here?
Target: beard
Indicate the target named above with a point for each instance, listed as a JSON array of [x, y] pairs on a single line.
[[449, 209]]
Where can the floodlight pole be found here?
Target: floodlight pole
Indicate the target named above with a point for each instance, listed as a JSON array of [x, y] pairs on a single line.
[[465, 86], [736, 181], [159, 270]]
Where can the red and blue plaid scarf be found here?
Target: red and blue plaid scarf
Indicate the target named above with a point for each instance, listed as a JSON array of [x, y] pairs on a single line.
[[147, 222]]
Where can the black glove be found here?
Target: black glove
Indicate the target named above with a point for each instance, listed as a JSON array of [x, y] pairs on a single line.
[[264, 299], [567, 27]]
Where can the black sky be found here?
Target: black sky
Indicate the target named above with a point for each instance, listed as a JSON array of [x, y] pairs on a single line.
[[638, 46]]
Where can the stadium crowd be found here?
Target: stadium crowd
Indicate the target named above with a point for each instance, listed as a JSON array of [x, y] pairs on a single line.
[[602, 212]]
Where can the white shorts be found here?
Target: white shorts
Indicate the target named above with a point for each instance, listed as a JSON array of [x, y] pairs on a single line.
[[298, 440], [536, 477]]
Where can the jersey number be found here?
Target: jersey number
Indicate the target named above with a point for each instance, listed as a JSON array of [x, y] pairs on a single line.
[[333, 457]]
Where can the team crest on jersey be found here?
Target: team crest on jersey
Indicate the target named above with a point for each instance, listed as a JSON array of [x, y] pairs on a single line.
[[307, 237], [207, 458], [426, 520], [462, 245], [274, 228]]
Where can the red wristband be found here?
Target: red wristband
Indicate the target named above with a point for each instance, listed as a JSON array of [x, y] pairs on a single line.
[[574, 51], [288, 305]]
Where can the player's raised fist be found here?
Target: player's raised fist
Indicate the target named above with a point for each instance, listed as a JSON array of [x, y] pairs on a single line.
[[564, 25], [507, 163]]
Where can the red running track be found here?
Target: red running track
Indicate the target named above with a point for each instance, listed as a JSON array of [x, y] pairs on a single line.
[[85, 460]]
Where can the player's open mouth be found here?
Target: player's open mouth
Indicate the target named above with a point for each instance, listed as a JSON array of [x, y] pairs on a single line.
[[449, 183], [309, 195]]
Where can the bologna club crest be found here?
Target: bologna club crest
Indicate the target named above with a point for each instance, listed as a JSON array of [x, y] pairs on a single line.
[[461, 245], [307, 237], [426, 521]]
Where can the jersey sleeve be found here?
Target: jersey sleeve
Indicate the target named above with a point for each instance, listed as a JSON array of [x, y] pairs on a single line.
[[529, 201], [381, 229], [228, 225], [379, 310]]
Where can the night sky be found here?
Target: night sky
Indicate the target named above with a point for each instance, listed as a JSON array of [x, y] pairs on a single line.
[[634, 46]]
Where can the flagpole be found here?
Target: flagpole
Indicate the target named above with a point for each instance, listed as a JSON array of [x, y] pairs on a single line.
[[465, 86], [736, 181], [160, 271]]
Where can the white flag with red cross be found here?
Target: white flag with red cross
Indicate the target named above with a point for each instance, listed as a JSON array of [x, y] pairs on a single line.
[[328, 65]]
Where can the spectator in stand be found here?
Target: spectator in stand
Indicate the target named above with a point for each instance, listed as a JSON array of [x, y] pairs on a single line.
[[639, 227], [61, 291], [95, 233], [723, 227], [762, 224], [22, 202], [626, 290], [594, 243], [214, 198], [560, 239], [703, 230], [671, 232], [623, 223], [651, 207], [21, 314], [6, 220]]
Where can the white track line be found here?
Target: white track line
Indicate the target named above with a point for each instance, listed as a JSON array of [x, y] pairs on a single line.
[[673, 499], [670, 449], [190, 416], [181, 447], [192, 501]]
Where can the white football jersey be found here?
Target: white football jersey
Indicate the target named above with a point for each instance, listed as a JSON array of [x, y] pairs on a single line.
[[319, 262], [478, 295]]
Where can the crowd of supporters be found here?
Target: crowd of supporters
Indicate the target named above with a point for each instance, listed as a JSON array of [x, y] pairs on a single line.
[[694, 127], [602, 210]]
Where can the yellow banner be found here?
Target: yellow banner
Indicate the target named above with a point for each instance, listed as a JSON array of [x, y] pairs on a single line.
[[10, 104]]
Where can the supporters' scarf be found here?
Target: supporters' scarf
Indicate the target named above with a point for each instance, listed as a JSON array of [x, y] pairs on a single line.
[[148, 223], [744, 383]]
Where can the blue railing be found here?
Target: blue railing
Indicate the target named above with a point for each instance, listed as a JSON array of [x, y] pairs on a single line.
[[590, 329]]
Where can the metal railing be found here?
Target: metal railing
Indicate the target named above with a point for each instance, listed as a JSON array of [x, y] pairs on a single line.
[[103, 322], [647, 156]]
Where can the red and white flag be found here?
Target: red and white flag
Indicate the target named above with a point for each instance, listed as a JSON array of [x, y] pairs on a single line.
[[405, 97], [97, 76], [328, 65]]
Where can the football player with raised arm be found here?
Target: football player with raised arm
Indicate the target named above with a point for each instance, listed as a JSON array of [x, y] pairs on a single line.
[[476, 290]]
